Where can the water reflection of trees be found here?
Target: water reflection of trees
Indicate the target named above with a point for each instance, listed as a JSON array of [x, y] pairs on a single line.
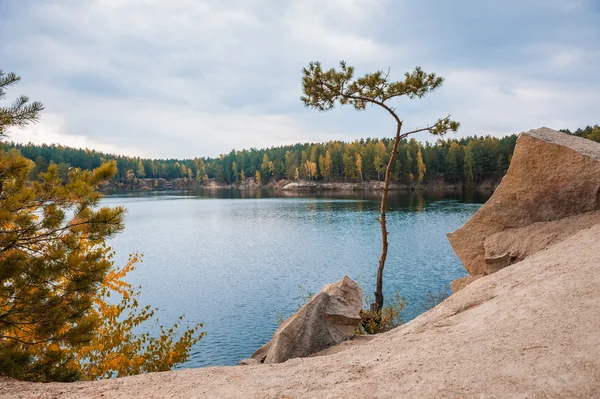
[[355, 200]]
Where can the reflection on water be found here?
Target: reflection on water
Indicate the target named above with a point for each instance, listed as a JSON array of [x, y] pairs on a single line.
[[232, 259]]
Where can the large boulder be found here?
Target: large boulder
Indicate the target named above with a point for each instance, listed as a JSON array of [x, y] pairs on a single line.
[[551, 191], [328, 319]]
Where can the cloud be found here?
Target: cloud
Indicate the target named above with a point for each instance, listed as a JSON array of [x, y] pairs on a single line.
[[197, 78]]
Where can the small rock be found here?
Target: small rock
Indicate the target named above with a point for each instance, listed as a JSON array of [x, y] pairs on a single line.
[[328, 319]]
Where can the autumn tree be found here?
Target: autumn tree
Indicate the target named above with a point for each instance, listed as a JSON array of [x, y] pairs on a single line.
[[57, 273], [257, 177], [594, 134], [310, 169], [379, 159], [324, 88], [421, 167], [325, 165], [265, 166], [291, 165], [199, 168], [358, 164], [140, 171], [349, 162]]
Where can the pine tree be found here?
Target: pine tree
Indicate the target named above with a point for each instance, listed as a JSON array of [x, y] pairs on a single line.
[[408, 167], [324, 88], [452, 161], [234, 171], [21, 112], [57, 272], [468, 167]]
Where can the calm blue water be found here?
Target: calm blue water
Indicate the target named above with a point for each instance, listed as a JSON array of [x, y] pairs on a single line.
[[232, 260]]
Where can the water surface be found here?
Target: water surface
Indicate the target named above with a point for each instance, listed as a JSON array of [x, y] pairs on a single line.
[[233, 260]]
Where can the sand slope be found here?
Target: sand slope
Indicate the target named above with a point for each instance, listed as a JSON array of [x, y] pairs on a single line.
[[530, 330]]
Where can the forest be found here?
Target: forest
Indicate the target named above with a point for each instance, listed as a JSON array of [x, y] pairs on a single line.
[[466, 161]]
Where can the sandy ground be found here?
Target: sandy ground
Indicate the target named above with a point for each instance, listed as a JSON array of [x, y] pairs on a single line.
[[531, 330]]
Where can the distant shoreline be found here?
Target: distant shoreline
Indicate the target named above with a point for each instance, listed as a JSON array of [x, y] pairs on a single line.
[[178, 184]]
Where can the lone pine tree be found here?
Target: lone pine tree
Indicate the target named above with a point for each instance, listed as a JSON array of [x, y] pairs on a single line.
[[324, 88]]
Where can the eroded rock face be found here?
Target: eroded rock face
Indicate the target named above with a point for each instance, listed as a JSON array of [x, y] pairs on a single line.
[[329, 318], [551, 191]]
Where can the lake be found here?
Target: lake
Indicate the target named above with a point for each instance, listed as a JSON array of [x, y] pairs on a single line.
[[233, 260]]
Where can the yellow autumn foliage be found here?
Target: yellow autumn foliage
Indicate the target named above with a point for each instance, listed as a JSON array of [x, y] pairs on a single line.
[[117, 350]]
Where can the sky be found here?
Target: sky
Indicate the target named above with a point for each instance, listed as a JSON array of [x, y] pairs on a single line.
[[187, 78]]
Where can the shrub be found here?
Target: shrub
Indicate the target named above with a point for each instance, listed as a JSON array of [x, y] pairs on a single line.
[[375, 322]]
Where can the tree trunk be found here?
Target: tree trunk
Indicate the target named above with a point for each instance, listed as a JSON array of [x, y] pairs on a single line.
[[378, 304]]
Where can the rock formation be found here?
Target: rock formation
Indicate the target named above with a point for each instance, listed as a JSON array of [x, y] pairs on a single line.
[[551, 191], [328, 319]]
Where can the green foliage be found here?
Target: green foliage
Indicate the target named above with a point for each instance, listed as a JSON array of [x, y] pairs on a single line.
[[441, 161], [468, 167], [53, 261], [116, 350], [324, 88], [20, 113]]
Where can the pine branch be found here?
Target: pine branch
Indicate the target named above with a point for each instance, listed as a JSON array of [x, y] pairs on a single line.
[[7, 80], [441, 127]]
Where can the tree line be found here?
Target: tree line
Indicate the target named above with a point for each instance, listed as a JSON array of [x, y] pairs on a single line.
[[468, 160], [589, 132]]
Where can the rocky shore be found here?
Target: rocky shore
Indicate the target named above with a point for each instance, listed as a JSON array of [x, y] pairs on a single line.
[[147, 185]]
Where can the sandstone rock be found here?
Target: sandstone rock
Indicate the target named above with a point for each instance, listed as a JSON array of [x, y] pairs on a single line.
[[552, 176], [329, 318], [513, 245]]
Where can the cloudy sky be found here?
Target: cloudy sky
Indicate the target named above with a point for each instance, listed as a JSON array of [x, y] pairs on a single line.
[[185, 78]]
